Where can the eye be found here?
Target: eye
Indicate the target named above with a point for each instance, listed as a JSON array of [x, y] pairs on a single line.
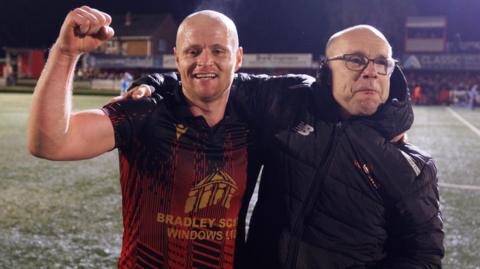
[[382, 61], [192, 52], [217, 51], [356, 60]]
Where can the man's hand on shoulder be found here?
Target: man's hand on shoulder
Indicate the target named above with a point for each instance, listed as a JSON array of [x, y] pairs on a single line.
[[401, 138], [134, 93], [145, 86]]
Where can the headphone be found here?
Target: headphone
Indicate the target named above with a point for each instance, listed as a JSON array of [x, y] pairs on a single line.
[[324, 74]]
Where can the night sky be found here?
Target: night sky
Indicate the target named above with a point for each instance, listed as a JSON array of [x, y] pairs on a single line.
[[268, 26]]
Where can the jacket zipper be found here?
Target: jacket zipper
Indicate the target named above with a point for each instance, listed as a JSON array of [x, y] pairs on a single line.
[[311, 198]]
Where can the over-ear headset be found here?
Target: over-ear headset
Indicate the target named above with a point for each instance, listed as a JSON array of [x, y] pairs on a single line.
[[324, 75], [398, 86]]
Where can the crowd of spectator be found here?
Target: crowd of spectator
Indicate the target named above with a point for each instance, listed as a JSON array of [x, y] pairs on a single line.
[[444, 88], [458, 88], [91, 73]]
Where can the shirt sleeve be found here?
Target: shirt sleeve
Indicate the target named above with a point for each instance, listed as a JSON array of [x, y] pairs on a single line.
[[262, 93], [409, 189], [415, 223], [419, 223], [128, 119]]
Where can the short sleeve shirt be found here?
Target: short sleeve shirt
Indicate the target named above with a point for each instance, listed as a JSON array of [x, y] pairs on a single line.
[[182, 183]]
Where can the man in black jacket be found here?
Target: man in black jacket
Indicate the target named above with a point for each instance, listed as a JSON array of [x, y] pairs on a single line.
[[335, 192]]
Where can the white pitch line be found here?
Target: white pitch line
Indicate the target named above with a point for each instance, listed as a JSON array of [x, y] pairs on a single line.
[[464, 121], [477, 132], [458, 186]]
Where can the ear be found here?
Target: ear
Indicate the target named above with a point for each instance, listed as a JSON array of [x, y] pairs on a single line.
[[398, 85], [175, 52], [238, 58]]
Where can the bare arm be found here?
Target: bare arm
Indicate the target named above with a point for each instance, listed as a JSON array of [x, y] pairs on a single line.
[[53, 131]]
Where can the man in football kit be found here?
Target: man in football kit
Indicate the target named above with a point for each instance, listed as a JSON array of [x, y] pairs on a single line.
[[335, 192], [187, 161]]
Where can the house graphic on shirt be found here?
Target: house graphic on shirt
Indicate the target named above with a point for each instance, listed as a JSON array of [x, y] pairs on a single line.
[[217, 188]]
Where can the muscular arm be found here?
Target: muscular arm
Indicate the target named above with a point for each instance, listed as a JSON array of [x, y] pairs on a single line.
[[54, 132]]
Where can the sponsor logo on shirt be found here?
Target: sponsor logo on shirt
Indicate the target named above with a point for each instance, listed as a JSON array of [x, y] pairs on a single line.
[[181, 129], [216, 188]]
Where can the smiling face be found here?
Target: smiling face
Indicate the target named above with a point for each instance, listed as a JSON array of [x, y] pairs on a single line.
[[207, 55], [359, 93]]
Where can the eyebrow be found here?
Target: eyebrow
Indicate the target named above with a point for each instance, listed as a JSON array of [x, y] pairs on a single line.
[[193, 46], [216, 45], [198, 46], [356, 52]]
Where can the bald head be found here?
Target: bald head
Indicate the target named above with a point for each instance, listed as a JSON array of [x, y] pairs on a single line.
[[357, 32], [207, 18], [360, 62], [207, 56]]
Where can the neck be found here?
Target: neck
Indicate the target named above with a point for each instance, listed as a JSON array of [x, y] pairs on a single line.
[[212, 110]]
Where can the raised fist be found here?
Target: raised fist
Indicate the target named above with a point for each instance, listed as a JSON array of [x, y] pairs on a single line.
[[83, 30]]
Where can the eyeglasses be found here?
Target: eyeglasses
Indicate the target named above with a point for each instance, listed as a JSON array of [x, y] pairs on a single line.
[[358, 62]]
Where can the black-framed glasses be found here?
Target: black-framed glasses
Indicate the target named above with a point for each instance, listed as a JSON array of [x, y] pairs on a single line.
[[358, 62]]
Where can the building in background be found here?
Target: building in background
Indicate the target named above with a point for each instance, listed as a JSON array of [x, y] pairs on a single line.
[[141, 35], [425, 34], [24, 62]]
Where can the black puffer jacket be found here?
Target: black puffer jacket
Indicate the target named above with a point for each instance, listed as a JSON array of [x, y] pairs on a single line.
[[337, 194]]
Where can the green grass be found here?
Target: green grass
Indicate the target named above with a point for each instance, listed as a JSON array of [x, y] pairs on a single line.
[[55, 214], [77, 90], [456, 150], [68, 214]]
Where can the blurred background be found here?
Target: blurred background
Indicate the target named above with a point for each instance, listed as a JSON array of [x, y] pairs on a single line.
[[68, 214]]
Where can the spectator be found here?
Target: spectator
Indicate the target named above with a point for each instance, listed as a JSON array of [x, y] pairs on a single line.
[[473, 94], [125, 82]]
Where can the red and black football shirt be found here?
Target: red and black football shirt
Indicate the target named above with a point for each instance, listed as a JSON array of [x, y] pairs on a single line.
[[182, 183]]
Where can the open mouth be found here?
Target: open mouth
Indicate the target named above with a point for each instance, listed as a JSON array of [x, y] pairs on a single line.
[[205, 76]]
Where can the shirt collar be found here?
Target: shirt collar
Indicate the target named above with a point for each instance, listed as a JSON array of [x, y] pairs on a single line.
[[181, 108]]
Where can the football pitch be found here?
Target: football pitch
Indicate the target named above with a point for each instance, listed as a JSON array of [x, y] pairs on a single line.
[[68, 214]]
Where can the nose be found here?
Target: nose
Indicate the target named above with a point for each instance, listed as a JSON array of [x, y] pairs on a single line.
[[205, 58], [370, 71]]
